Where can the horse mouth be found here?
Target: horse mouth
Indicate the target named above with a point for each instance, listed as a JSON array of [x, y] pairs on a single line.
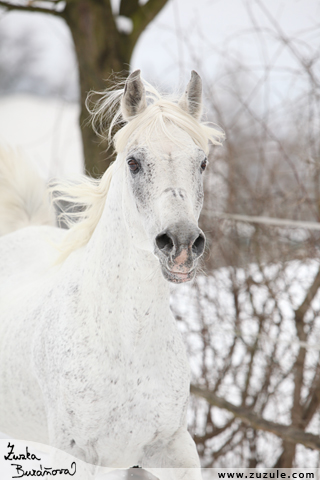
[[177, 277]]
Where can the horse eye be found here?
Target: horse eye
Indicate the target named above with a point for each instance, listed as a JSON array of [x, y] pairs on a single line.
[[203, 165], [133, 165]]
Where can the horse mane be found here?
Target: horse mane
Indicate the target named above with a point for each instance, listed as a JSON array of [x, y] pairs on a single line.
[[87, 197]]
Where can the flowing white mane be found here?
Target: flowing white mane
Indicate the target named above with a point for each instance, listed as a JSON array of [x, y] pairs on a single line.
[[89, 194], [162, 111]]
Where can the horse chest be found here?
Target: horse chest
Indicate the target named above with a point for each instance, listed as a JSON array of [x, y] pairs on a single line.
[[123, 385], [145, 403], [135, 380]]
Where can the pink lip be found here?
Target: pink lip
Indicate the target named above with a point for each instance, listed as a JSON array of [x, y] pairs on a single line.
[[178, 277]]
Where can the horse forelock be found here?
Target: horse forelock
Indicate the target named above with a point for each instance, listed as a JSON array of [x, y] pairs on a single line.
[[160, 108]]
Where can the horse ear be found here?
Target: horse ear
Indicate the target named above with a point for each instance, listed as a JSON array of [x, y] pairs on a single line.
[[191, 100], [134, 96]]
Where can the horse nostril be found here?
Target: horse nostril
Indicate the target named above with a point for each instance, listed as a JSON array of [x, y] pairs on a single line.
[[164, 242], [198, 245]]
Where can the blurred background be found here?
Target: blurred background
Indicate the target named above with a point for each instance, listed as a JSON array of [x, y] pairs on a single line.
[[251, 319]]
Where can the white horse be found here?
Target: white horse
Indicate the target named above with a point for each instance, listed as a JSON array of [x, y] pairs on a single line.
[[91, 360]]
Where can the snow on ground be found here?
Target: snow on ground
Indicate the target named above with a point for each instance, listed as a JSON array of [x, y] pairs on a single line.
[[47, 130]]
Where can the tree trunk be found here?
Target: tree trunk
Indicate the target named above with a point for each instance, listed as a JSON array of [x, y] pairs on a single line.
[[100, 51]]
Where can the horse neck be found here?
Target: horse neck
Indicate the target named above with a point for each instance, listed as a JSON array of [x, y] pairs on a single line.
[[122, 275]]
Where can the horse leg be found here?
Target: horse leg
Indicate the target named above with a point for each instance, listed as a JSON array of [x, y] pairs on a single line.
[[176, 461], [74, 462], [65, 451]]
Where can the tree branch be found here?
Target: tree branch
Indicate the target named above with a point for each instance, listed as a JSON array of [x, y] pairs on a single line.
[[307, 67], [29, 8], [128, 7], [313, 401], [144, 14], [287, 433], [141, 16], [305, 305]]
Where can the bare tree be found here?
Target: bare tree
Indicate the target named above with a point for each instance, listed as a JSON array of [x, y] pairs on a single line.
[[101, 48], [251, 359]]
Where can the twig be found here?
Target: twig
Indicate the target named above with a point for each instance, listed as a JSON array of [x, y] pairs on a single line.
[[287, 433], [29, 8]]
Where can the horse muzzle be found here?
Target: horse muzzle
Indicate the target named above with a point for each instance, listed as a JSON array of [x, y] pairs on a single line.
[[178, 248]]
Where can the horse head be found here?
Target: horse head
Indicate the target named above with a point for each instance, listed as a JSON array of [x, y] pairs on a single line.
[[165, 162]]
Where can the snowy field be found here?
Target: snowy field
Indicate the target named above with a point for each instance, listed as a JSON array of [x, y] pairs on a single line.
[[47, 130]]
